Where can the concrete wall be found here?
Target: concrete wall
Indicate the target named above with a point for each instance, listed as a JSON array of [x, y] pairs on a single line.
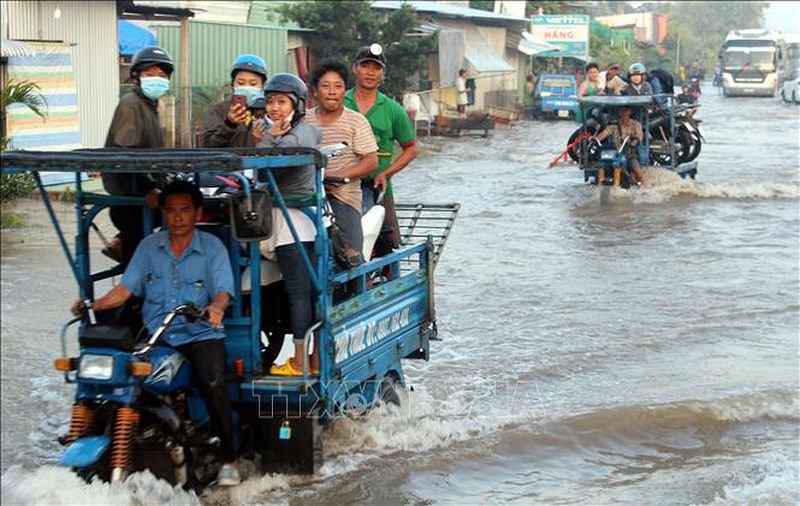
[[91, 28]]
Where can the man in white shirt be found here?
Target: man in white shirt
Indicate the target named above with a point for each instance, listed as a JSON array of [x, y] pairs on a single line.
[[611, 82], [461, 88]]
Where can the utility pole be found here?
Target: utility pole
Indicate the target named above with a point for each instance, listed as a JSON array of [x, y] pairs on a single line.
[[185, 101]]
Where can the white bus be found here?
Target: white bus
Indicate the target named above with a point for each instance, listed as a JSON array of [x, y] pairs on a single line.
[[752, 63], [790, 88]]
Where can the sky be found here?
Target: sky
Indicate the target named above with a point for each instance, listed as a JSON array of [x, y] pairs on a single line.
[[783, 16]]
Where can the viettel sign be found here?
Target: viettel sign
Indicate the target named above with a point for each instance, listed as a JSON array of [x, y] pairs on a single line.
[[569, 32]]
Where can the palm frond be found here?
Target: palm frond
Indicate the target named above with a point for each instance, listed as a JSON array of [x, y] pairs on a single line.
[[26, 93]]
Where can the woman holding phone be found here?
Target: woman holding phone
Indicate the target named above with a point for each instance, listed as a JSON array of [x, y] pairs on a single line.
[[230, 122]]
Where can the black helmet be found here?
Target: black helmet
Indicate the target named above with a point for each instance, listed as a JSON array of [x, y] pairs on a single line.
[[152, 55], [372, 52], [291, 85], [251, 63]]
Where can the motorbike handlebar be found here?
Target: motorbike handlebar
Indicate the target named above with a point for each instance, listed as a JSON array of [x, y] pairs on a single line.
[[190, 311]]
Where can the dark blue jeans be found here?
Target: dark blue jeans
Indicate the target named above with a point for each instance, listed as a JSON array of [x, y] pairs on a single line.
[[298, 287]]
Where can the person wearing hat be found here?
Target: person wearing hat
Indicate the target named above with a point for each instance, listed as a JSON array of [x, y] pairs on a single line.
[[390, 125], [230, 124], [135, 125], [610, 81]]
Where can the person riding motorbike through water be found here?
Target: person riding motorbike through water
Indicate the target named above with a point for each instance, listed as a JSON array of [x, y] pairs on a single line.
[[287, 127], [686, 97], [627, 132], [230, 124], [636, 79], [610, 82], [180, 264], [135, 126], [590, 86]]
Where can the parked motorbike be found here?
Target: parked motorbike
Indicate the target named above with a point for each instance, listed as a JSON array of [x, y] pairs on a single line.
[[137, 407]]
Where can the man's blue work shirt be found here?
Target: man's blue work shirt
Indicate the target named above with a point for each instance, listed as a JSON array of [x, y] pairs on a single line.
[[199, 275]]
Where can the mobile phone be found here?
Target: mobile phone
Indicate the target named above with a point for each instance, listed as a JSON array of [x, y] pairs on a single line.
[[239, 99]]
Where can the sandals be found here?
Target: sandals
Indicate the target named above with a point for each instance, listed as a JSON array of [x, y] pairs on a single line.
[[288, 369], [111, 253]]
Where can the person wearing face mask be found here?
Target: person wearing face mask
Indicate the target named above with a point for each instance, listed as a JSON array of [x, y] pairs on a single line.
[[230, 124], [135, 126]]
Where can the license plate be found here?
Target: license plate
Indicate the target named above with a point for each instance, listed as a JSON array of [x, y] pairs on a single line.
[[563, 114]]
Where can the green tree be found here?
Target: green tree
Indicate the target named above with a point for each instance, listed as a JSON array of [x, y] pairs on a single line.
[[342, 27], [700, 27], [29, 94]]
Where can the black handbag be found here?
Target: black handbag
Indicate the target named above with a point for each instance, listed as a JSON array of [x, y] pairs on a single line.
[[251, 216]]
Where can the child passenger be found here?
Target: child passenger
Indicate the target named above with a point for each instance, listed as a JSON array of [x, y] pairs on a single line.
[[286, 127]]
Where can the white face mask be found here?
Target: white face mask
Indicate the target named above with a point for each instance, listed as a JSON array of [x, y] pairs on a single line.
[[286, 121], [251, 92]]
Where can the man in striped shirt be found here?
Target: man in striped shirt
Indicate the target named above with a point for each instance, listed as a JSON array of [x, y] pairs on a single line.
[[340, 125]]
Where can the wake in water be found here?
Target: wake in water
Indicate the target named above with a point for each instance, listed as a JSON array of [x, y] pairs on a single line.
[[662, 185]]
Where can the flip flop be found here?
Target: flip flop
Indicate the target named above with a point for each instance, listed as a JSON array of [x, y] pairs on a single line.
[[287, 369], [112, 254]]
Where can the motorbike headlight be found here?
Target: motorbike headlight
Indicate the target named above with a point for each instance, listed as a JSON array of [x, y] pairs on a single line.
[[100, 367]]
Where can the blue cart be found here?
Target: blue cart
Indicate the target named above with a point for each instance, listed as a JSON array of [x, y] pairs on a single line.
[[672, 138], [125, 418]]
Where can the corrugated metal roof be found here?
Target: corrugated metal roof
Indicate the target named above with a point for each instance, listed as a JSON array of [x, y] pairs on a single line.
[[214, 46], [444, 9]]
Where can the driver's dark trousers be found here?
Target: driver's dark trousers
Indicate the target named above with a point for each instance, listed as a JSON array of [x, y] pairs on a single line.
[[208, 365]]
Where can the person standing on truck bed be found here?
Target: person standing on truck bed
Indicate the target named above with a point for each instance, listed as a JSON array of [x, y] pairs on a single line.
[[135, 126], [286, 109], [229, 125], [359, 158], [390, 123]]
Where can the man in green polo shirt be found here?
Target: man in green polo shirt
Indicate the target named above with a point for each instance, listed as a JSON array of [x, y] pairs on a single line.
[[390, 123]]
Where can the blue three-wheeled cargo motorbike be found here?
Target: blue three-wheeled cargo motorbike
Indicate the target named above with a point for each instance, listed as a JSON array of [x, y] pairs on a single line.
[[136, 406]]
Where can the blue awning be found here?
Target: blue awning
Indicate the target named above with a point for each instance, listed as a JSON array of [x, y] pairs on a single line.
[[133, 37]]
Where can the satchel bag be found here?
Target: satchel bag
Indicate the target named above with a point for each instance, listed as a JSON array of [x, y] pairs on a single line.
[[251, 216]]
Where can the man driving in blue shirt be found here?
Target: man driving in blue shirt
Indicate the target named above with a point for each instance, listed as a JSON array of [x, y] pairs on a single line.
[[184, 265]]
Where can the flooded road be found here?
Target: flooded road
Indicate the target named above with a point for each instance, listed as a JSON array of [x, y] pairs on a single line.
[[637, 349]]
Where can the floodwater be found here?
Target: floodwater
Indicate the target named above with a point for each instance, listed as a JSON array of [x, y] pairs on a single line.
[[640, 348]]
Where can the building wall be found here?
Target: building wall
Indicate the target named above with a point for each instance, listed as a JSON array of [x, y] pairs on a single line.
[[490, 86], [91, 27], [645, 25], [214, 46]]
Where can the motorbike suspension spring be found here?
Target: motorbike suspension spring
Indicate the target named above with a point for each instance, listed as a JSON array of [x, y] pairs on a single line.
[[125, 425], [80, 422]]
